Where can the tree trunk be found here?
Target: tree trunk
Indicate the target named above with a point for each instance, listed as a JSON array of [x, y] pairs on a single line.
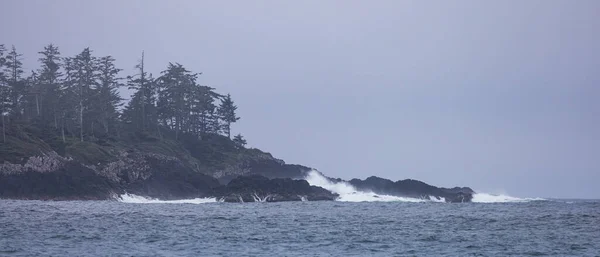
[[37, 104], [143, 88], [228, 130], [81, 120], [55, 119], [62, 127], [3, 128]]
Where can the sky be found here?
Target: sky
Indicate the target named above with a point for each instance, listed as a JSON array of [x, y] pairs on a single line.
[[501, 96]]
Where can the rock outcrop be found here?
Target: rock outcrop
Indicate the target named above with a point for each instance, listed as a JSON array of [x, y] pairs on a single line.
[[52, 177], [412, 188], [34, 166], [257, 188]]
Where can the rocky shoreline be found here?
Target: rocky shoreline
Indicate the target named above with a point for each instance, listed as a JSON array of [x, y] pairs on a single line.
[[53, 177]]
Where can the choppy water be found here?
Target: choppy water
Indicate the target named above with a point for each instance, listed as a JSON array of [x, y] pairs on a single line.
[[75, 228]]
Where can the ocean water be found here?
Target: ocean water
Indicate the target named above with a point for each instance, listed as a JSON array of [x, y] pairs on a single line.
[[135, 226], [357, 224]]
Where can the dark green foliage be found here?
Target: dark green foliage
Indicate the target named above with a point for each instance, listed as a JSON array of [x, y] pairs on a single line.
[[4, 90], [239, 141], [17, 89], [46, 88], [140, 113], [106, 98], [72, 106], [227, 114], [185, 106], [82, 80]]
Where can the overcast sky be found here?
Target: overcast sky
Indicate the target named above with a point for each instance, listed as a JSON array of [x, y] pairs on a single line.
[[502, 96]]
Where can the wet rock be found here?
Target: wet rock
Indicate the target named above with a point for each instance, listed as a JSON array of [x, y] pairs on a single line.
[[256, 188], [412, 188]]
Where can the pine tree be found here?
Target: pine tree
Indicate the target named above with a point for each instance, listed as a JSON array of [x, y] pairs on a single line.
[[85, 99], [3, 91], [214, 123], [29, 102], [176, 86], [48, 84], [107, 100], [142, 105], [239, 141], [17, 87], [227, 113], [203, 110], [81, 81]]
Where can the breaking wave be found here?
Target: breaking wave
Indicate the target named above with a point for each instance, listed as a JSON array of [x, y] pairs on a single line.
[[348, 193], [131, 198], [490, 198]]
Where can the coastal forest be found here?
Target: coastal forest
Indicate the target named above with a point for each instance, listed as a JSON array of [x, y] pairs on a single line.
[[72, 99]]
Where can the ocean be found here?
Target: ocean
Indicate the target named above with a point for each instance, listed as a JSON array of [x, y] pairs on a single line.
[[358, 224]]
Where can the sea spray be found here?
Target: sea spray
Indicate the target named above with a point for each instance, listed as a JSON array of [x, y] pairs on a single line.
[[348, 193], [490, 198], [131, 198], [437, 199]]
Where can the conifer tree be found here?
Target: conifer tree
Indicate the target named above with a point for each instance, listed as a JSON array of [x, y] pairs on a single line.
[[239, 141], [17, 88], [48, 84], [227, 113], [176, 86], [145, 98], [3, 91], [82, 81], [80, 95], [107, 99]]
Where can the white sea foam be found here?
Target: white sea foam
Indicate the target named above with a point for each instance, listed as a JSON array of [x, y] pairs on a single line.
[[348, 193], [434, 199], [490, 198], [131, 198]]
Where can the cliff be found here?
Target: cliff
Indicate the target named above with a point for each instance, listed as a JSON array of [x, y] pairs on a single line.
[[38, 164]]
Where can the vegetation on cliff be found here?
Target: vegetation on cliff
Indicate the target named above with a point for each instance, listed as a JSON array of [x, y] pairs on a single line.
[[77, 98], [69, 113]]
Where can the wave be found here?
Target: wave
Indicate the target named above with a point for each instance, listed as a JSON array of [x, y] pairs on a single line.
[[131, 198], [490, 198], [437, 200], [349, 193]]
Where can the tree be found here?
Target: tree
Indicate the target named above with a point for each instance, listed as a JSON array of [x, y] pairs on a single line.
[[107, 100], [239, 141], [176, 86], [214, 123], [142, 109], [203, 110], [17, 87], [227, 113], [47, 88], [80, 95], [29, 103], [3, 91], [82, 80]]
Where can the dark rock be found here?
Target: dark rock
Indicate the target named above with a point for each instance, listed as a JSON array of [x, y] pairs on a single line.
[[169, 179], [257, 188], [267, 167], [412, 188], [71, 182]]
